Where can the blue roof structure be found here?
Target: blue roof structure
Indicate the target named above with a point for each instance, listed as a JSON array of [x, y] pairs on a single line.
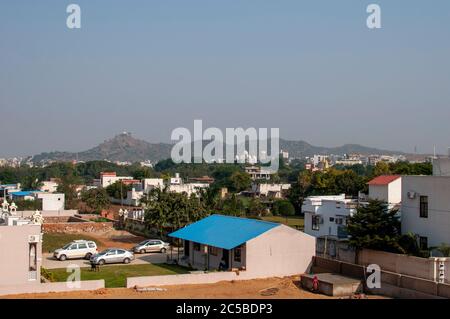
[[225, 232], [23, 193]]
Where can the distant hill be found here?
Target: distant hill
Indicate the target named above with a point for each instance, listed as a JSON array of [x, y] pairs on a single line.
[[124, 147]]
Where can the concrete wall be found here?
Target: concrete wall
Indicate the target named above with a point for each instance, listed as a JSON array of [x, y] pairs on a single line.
[[15, 255], [281, 251], [335, 249], [391, 193], [407, 265], [51, 287], [392, 284], [436, 227]]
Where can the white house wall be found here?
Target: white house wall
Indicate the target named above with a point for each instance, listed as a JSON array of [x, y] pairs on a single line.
[[281, 251], [437, 226]]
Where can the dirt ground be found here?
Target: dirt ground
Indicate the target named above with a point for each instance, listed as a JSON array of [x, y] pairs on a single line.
[[115, 238], [283, 288]]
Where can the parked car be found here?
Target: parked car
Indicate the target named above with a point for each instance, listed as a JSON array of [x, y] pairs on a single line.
[[112, 256], [76, 249], [151, 245]]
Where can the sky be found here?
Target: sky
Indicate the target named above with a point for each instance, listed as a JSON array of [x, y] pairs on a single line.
[[310, 68]]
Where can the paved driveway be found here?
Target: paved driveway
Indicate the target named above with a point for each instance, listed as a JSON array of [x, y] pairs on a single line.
[[151, 258]]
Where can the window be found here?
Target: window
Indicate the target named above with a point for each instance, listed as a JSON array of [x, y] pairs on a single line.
[[121, 252], [91, 245], [315, 222], [331, 219], [424, 206], [32, 251], [213, 250], [237, 254], [196, 246], [74, 246], [423, 243], [82, 246]]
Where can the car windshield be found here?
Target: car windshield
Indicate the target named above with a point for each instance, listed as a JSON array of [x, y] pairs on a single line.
[[67, 246], [143, 242], [104, 252]]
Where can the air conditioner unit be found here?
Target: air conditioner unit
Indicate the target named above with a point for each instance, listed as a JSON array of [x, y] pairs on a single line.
[[411, 195], [34, 238]]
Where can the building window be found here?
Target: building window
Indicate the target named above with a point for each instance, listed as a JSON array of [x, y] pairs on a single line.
[[331, 219], [214, 251], [32, 257], [424, 206], [237, 254], [315, 222], [196, 246], [423, 243]]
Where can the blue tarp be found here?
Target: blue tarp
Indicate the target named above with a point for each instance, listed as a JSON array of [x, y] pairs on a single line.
[[225, 232]]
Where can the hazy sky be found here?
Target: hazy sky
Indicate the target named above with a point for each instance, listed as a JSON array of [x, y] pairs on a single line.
[[311, 68]]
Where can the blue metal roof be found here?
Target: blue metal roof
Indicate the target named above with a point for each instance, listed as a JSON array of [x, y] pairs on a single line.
[[23, 193], [222, 231]]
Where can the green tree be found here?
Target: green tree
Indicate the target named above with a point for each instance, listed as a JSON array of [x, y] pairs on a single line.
[[240, 181], [96, 199], [118, 190], [68, 186], [256, 208], [167, 210], [374, 226], [283, 208]]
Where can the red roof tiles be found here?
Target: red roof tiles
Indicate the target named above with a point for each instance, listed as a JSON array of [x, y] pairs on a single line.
[[383, 179]]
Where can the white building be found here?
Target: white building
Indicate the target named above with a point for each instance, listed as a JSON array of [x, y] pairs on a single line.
[[149, 183], [256, 248], [425, 208], [189, 188], [51, 202], [177, 180], [327, 215], [49, 186], [386, 188], [109, 178], [256, 172], [275, 190]]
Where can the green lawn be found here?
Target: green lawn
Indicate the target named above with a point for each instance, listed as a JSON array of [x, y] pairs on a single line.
[[116, 276], [296, 222], [54, 241]]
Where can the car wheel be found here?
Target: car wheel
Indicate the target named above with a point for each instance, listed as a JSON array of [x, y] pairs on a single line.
[[163, 250], [142, 251], [88, 256], [62, 257], [101, 262], [126, 261]]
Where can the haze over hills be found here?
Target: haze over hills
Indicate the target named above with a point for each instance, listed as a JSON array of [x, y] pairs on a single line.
[[124, 147]]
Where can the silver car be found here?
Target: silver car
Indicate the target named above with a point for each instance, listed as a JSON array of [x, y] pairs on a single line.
[[151, 245], [112, 256]]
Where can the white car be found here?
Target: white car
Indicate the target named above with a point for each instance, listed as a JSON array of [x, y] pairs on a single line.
[[76, 249], [151, 245], [111, 256]]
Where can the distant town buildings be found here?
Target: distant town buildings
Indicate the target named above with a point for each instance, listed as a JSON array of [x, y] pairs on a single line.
[[257, 172], [109, 178]]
